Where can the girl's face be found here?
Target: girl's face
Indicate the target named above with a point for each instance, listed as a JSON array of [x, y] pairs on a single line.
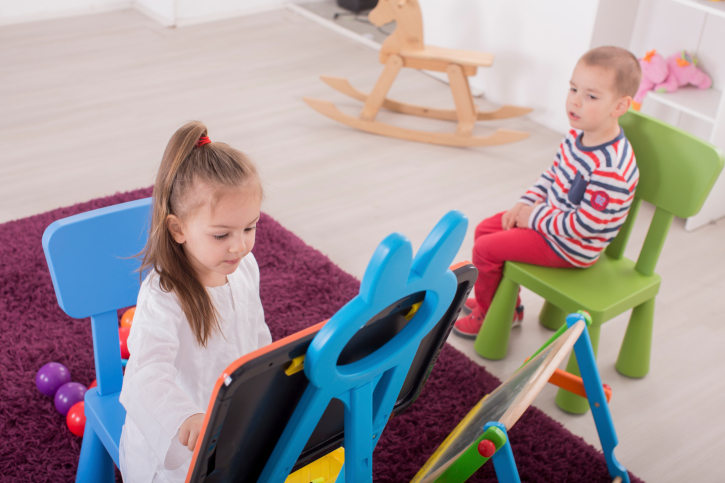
[[216, 239]]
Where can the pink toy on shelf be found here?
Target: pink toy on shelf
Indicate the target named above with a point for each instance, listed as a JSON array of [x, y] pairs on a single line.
[[683, 70], [654, 72]]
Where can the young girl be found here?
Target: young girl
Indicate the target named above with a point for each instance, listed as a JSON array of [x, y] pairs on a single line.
[[198, 310]]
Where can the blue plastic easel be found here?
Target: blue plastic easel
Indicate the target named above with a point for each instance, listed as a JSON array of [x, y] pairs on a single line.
[[369, 387], [496, 437]]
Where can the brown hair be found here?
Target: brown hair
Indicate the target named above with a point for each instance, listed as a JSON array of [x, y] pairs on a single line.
[[627, 72], [182, 166]]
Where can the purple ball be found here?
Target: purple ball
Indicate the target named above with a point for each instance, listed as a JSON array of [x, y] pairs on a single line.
[[68, 394], [50, 377]]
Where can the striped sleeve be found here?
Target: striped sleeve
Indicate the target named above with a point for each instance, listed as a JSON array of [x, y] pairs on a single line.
[[538, 192], [584, 231]]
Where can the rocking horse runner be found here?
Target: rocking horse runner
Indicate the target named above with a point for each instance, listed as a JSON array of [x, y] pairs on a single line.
[[405, 48]]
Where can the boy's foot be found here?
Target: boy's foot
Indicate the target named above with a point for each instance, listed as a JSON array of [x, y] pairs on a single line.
[[469, 305], [469, 325]]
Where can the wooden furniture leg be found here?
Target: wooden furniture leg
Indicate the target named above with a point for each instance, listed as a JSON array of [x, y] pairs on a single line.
[[377, 96], [464, 101]]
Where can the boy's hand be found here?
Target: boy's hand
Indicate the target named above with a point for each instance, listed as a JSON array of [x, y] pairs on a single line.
[[508, 220], [190, 429], [523, 215]]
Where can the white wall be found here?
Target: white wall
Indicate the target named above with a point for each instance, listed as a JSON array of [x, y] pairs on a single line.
[[536, 45], [19, 11]]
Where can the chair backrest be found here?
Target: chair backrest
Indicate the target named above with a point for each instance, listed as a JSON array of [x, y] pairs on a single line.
[[90, 258], [408, 33], [677, 172]]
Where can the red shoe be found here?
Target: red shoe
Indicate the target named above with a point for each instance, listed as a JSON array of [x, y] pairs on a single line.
[[469, 325], [469, 305]]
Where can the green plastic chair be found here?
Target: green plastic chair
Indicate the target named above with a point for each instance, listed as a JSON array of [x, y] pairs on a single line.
[[677, 171]]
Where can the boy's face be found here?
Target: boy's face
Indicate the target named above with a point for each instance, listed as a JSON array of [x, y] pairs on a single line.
[[215, 241], [592, 104]]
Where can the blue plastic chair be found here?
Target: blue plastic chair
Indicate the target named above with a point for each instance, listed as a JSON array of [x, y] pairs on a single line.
[[93, 276]]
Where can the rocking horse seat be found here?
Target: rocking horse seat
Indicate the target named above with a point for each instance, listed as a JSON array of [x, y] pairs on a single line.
[[439, 58]]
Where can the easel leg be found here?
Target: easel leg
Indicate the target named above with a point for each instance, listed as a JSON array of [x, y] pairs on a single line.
[[377, 96], [567, 401], [584, 353], [463, 99], [503, 459]]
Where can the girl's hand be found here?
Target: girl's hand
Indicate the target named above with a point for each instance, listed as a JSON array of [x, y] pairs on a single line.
[[190, 429]]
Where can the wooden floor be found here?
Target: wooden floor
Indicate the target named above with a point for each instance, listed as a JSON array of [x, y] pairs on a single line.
[[88, 103]]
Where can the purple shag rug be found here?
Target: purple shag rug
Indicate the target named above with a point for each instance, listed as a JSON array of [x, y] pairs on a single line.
[[299, 287]]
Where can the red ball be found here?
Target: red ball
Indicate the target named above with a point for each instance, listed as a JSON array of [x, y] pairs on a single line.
[[76, 419], [123, 339], [93, 384], [486, 448]]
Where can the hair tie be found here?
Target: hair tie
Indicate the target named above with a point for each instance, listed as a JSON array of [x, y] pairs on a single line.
[[202, 141]]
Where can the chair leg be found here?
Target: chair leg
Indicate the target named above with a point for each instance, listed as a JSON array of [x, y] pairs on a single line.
[[493, 338], [382, 86], [566, 400], [551, 316], [95, 464], [634, 355]]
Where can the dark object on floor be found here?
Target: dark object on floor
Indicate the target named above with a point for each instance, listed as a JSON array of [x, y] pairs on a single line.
[[299, 288], [357, 5]]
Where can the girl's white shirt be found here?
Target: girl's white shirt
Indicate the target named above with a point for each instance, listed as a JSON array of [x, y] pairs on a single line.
[[170, 377]]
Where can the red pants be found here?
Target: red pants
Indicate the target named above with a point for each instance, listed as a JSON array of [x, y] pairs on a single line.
[[493, 246]]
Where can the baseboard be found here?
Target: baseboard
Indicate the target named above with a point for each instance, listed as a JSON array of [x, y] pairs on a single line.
[[155, 16], [72, 12], [333, 26]]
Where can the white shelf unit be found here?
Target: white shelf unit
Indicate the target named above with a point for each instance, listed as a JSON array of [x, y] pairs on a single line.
[[708, 6], [697, 26], [700, 103]]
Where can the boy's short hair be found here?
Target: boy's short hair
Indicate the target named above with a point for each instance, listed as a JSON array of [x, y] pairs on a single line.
[[627, 72]]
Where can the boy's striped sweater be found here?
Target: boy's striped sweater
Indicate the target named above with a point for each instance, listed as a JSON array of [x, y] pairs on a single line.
[[585, 197]]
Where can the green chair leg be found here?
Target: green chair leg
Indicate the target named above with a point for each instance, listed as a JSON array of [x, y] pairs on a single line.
[[567, 401], [551, 316], [634, 355], [493, 338]]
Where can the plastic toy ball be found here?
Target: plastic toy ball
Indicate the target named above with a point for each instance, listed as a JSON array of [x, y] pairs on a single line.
[[127, 317], [68, 394], [50, 377], [93, 384], [76, 419], [123, 339]]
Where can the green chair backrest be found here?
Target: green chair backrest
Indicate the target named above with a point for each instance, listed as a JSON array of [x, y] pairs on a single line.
[[677, 171]]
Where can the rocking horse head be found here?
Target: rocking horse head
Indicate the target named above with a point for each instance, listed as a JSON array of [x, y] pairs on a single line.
[[408, 33]]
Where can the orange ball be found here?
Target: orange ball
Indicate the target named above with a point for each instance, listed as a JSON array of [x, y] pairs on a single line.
[[127, 317], [76, 419], [123, 339]]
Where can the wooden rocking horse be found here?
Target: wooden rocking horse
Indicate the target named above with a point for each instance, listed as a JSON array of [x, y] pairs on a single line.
[[405, 48]]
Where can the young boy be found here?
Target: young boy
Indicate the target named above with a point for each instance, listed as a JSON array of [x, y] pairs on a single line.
[[579, 204]]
